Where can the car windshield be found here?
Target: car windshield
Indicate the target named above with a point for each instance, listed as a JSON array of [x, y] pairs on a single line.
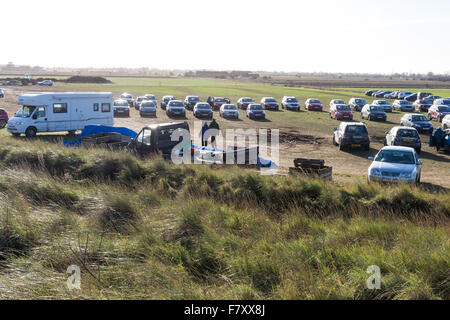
[[356, 129], [229, 107], [247, 100], [291, 100], [407, 133], [376, 108], [150, 97], [360, 101], [148, 104], [25, 111], [418, 118], [256, 107], [176, 104], [404, 102], [120, 103], [126, 97], [446, 102], [444, 109], [382, 102], [342, 108], [395, 156], [314, 101], [270, 100], [168, 98], [203, 106], [194, 99]]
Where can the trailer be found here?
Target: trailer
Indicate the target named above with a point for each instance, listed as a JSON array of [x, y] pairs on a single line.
[[311, 168], [55, 112]]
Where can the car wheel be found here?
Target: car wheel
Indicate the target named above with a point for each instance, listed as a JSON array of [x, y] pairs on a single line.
[[341, 147], [2, 124], [385, 142], [366, 147], [30, 132], [334, 141]]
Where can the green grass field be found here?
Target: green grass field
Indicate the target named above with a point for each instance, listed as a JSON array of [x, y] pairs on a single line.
[[152, 230]]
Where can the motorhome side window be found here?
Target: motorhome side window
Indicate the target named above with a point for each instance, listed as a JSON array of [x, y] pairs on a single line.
[[60, 108], [95, 106], [106, 107]]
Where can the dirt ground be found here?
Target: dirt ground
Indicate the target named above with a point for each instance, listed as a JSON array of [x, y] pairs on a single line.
[[347, 166]]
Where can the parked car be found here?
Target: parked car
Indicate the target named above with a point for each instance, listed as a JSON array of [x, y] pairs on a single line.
[[341, 112], [392, 95], [121, 108], [357, 103], [165, 100], [147, 108], [138, 102], [175, 108], [56, 112], [402, 94], [439, 109], [290, 103], [411, 97], [2, 94], [255, 111], [381, 94], [395, 164], [217, 102], [3, 118], [387, 107], [433, 97], [336, 101], [229, 111], [243, 102], [190, 102], [446, 122], [45, 83], [386, 95], [423, 95], [422, 104], [149, 96], [370, 92], [371, 112], [202, 110], [269, 103], [313, 105], [403, 136], [403, 105], [351, 135], [128, 97], [417, 121]]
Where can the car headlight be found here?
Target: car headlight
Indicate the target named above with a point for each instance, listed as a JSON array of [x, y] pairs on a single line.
[[375, 172], [405, 175]]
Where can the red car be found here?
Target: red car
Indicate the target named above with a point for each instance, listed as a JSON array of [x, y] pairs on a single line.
[[341, 112], [3, 118], [438, 112], [313, 105], [269, 103], [217, 102]]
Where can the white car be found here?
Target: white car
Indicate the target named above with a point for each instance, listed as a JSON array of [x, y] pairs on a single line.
[[290, 103], [403, 105], [446, 122], [395, 164], [45, 83], [128, 97], [386, 105], [229, 111], [335, 102]]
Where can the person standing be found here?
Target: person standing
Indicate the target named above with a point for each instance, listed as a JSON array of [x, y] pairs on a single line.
[[213, 125], [205, 128]]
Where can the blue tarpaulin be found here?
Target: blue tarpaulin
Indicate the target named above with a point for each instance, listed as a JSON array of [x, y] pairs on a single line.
[[96, 129]]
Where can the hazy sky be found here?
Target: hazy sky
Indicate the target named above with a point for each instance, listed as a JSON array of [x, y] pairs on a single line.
[[320, 35]]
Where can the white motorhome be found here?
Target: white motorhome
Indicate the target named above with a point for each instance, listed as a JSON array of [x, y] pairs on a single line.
[[53, 112]]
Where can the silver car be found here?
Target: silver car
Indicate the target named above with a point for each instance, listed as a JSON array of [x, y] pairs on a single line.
[[403, 105], [403, 136], [395, 164], [147, 108], [175, 108], [229, 111]]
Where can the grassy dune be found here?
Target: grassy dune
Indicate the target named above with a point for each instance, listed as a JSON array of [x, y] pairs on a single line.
[[148, 229]]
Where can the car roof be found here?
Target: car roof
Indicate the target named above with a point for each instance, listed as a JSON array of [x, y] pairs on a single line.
[[403, 127], [397, 148], [345, 123]]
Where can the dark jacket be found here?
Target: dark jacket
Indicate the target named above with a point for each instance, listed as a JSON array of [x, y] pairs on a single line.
[[214, 125]]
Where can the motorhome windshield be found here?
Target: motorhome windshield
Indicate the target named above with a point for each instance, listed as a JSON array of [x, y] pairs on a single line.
[[25, 111]]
